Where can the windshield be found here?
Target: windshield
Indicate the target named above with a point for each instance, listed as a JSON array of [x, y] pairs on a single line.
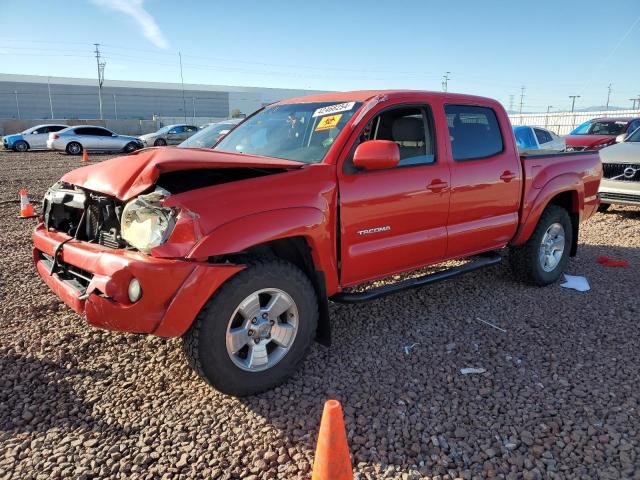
[[298, 131], [600, 128], [207, 137], [634, 137]]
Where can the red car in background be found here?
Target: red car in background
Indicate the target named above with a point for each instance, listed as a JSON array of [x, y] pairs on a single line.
[[599, 133]]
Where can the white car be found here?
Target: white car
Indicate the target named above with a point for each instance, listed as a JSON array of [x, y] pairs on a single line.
[[533, 139], [33, 138]]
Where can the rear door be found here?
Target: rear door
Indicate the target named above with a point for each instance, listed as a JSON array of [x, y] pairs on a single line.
[[485, 180], [38, 138], [395, 219], [176, 135]]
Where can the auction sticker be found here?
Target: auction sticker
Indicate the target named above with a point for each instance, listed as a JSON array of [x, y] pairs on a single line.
[[326, 123], [337, 108]]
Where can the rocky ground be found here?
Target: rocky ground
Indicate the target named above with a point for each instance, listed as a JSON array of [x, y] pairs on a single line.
[[559, 398]]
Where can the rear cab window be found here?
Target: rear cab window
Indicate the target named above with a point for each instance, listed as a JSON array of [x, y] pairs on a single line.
[[474, 132]]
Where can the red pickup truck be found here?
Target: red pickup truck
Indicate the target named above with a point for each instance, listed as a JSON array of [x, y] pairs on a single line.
[[238, 249]]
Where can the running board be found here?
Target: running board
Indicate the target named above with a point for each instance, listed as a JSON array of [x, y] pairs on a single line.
[[484, 260]]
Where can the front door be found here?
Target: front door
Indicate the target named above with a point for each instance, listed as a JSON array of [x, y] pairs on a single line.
[[395, 219]]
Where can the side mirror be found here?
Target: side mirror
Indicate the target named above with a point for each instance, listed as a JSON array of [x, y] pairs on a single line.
[[377, 155], [620, 138]]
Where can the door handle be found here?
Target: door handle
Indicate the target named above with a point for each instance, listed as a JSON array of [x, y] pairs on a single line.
[[437, 186], [507, 176]]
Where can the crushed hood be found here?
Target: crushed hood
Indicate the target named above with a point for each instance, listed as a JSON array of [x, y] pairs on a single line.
[[130, 175], [587, 140]]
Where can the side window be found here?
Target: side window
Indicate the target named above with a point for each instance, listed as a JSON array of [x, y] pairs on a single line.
[[56, 128], [410, 128], [524, 138], [41, 130], [633, 126], [83, 131], [542, 136], [101, 132], [178, 129], [474, 132], [191, 128]]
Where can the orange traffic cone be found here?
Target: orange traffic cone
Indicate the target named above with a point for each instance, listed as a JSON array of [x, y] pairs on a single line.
[[332, 461], [85, 155], [26, 210]]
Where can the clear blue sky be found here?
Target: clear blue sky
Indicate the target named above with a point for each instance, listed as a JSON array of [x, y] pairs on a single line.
[[553, 48]]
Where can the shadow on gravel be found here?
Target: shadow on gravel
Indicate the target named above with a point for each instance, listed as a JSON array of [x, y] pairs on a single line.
[[36, 395]]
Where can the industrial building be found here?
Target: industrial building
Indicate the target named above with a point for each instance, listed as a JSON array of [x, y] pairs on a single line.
[[30, 97]]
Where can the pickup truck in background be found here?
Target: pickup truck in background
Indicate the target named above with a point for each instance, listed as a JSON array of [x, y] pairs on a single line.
[[238, 249]]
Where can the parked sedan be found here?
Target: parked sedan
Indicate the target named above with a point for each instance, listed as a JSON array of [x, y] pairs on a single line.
[[621, 173], [33, 138], [599, 133], [74, 140], [534, 139], [209, 136], [169, 135]]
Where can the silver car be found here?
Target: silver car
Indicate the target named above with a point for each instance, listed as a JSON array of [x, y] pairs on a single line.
[[74, 140], [210, 134], [33, 138], [620, 183], [169, 135], [534, 139]]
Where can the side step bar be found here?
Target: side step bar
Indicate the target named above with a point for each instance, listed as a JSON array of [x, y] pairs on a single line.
[[484, 260]]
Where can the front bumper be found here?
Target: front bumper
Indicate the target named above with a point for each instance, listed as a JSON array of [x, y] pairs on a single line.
[[93, 280], [619, 192]]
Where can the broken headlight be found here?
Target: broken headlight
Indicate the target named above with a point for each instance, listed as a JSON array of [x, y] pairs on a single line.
[[146, 223]]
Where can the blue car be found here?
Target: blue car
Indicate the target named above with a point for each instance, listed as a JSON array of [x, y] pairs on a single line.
[[33, 138]]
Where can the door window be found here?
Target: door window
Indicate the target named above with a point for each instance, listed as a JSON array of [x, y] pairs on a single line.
[[178, 129], [409, 127], [56, 128], [474, 132], [542, 136], [191, 128]]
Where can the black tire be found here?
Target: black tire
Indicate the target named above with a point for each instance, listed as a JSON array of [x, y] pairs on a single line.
[[160, 142], [74, 148], [130, 147], [603, 207], [20, 146], [204, 345], [525, 259]]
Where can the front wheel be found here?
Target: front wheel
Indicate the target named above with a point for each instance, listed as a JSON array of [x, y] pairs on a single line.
[[21, 146], [544, 257], [254, 332], [130, 147], [161, 142]]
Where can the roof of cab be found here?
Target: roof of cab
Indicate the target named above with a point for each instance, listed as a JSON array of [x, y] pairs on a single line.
[[364, 95]]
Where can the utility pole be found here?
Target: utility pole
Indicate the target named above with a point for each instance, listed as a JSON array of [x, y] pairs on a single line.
[[445, 81], [608, 97], [101, 66], [511, 103], [184, 103], [50, 100], [115, 106], [573, 101], [634, 100], [634, 103], [546, 118], [522, 89], [18, 103]]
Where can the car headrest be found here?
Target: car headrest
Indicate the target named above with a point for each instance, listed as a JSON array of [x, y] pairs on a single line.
[[408, 129]]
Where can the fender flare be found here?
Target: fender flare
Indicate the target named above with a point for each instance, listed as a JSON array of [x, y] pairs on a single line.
[[532, 209], [262, 227]]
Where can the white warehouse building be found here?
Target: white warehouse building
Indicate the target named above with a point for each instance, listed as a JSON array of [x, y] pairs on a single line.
[[39, 97]]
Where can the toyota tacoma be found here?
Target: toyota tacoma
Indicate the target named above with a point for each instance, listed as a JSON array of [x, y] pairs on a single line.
[[239, 248]]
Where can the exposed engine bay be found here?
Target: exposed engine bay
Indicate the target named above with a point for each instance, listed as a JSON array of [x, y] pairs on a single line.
[[140, 223]]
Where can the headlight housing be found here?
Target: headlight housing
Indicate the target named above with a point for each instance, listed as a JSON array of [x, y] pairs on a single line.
[[146, 223]]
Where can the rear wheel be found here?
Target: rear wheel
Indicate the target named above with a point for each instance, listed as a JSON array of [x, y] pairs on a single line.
[[544, 257], [74, 148], [160, 142], [255, 330], [21, 146]]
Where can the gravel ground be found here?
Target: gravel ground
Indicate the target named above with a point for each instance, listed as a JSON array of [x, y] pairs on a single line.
[[559, 398]]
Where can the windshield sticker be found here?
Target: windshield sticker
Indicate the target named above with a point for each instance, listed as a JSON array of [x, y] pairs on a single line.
[[337, 108], [329, 122]]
